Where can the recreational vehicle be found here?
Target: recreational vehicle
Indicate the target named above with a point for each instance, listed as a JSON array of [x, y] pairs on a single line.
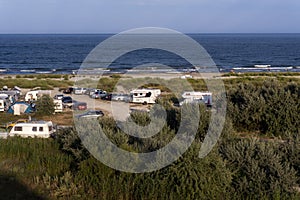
[[40, 129], [144, 96], [34, 95], [197, 97]]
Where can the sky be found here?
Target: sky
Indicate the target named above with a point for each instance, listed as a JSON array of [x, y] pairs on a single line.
[[113, 16]]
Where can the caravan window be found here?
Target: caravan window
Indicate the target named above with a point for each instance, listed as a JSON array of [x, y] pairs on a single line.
[[50, 128], [34, 129], [148, 94], [41, 129], [18, 128]]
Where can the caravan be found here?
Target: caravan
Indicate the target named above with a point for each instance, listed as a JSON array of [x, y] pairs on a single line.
[[34, 95], [197, 97], [40, 129], [144, 96]]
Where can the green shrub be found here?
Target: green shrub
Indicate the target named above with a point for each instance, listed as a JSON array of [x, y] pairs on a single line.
[[45, 106]]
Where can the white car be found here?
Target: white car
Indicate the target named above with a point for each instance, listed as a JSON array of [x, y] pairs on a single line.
[[80, 90], [120, 97]]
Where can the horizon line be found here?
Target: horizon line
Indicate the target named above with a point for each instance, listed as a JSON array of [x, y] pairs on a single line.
[[107, 33]]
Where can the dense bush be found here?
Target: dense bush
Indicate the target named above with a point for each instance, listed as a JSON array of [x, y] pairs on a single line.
[[259, 169], [45, 106], [272, 108]]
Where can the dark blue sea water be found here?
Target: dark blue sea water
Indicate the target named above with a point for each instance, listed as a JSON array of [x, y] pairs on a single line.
[[64, 53]]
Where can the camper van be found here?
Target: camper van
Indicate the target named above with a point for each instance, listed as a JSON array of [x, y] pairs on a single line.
[[144, 96], [197, 97], [58, 105], [34, 95], [40, 129]]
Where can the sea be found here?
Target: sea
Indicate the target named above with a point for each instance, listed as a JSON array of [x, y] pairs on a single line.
[[64, 53]]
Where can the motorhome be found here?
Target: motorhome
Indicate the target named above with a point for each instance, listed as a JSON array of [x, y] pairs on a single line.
[[34, 95], [42, 129], [144, 96], [197, 97]]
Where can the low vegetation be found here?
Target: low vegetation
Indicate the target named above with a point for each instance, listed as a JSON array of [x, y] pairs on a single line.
[[266, 166], [43, 83]]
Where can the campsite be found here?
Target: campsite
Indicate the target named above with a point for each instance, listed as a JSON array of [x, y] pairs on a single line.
[[260, 134]]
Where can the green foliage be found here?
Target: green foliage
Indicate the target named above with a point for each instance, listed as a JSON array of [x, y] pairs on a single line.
[[45, 106], [259, 169], [66, 77], [272, 108], [237, 168], [108, 84], [45, 84]]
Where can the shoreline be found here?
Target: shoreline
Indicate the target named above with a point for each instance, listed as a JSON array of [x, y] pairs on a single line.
[[183, 75]]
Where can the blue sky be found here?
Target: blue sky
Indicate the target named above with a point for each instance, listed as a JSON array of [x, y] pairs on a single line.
[[113, 16]]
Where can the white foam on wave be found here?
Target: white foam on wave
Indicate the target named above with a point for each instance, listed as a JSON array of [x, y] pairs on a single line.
[[27, 70], [44, 72]]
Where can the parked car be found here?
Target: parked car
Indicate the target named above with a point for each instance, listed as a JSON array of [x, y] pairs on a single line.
[[98, 94], [107, 97], [77, 105], [120, 97], [68, 90], [58, 96], [80, 90], [91, 114], [67, 102]]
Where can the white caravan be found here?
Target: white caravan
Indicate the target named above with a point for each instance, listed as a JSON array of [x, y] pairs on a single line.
[[34, 95], [197, 97], [41, 129], [144, 96]]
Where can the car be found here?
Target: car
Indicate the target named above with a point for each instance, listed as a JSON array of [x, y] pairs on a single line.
[[107, 97], [11, 124], [120, 97], [67, 102], [69, 90], [98, 94], [80, 90], [91, 114], [77, 105], [58, 96]]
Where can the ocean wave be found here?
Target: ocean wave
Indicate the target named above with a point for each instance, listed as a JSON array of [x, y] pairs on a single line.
[[44, 72], [27, 70]]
